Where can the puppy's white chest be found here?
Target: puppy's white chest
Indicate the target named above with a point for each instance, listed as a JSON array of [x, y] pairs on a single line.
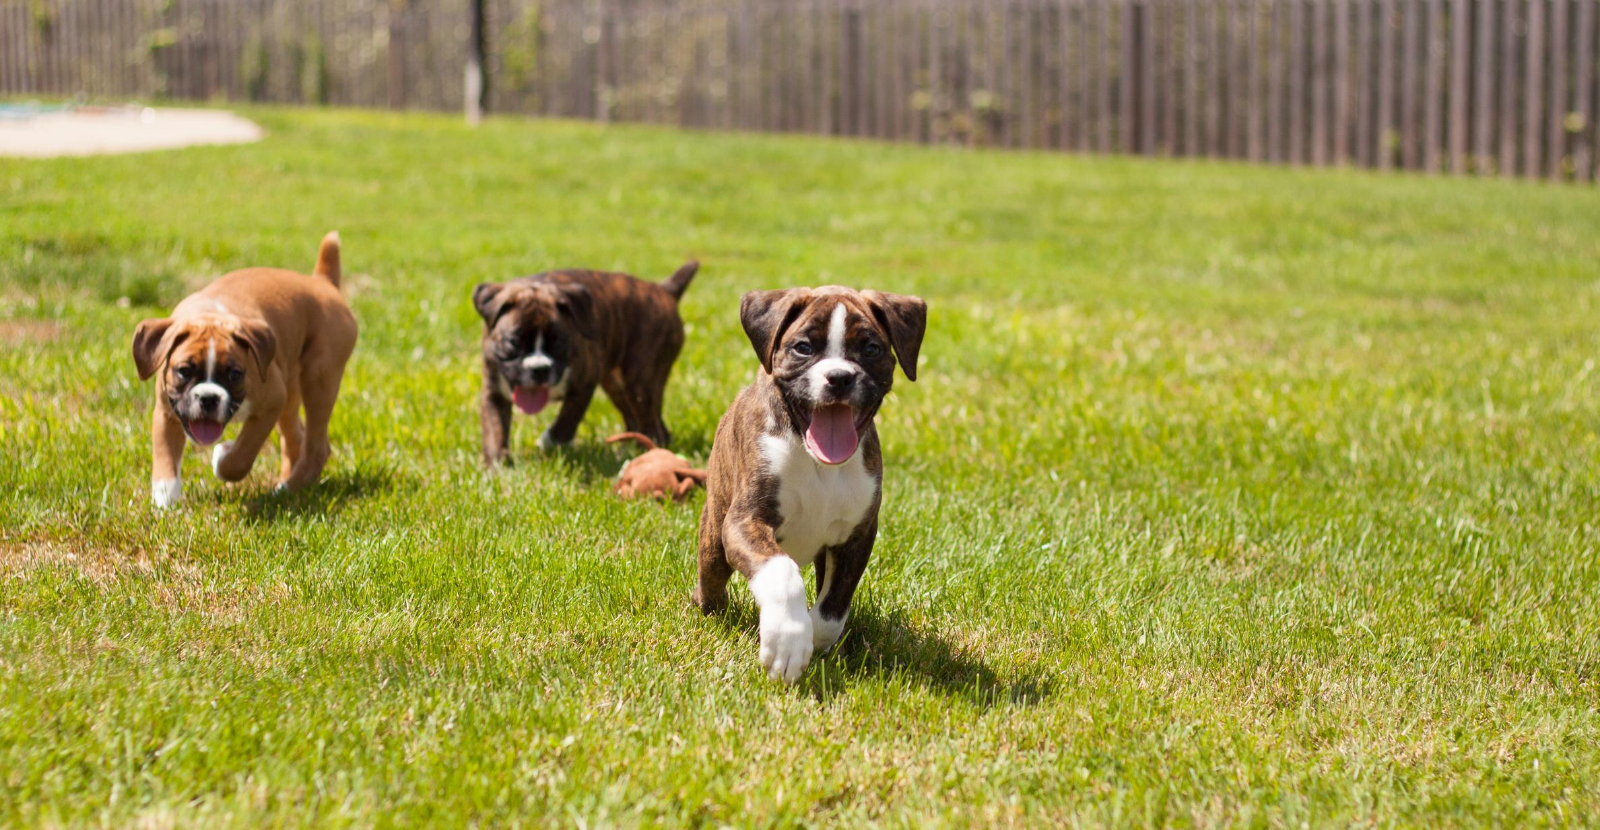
[[818, 506]]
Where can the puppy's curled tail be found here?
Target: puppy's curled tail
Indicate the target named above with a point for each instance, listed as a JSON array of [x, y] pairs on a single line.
[[637, 436], [680, 279], [328, 259]]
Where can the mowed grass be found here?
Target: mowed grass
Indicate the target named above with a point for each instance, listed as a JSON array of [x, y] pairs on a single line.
[[1228, 496]]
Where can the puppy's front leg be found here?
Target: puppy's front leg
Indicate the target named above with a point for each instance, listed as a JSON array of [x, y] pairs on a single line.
[[494, 410], [839, 571], [565, 426], [231, 460], [774, 578], [166, 468]]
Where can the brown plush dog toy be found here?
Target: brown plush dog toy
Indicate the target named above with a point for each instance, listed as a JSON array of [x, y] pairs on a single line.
[[659, 473]]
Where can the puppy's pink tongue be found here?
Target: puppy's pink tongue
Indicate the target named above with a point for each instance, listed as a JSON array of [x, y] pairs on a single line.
[[531, 401], [832, 435], [205, 433]]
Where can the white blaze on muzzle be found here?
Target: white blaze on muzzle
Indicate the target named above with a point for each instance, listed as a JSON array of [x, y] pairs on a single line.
[[538, 359], [200, 391], [833, 359], [210, 388]]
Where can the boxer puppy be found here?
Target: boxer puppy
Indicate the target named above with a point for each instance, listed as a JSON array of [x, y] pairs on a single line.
[[254, 347], [660, 473], [555, 336], [795, 469]]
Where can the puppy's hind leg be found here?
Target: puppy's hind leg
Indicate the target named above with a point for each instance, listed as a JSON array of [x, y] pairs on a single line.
[[711, 591], [319, 392], [646, 383], [291, 432]]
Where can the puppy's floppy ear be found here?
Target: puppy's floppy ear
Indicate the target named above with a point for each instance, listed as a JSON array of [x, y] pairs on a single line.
[[905, 318], [152, 342], [256, 338], [765, 316], [576, 305], [488, 299]]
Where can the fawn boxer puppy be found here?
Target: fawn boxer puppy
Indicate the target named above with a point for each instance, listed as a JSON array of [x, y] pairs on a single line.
[[555, 336], [254, 347], [659, 473], [795, 469]]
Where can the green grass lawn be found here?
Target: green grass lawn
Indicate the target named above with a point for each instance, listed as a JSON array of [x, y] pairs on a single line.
[[1227, 496]]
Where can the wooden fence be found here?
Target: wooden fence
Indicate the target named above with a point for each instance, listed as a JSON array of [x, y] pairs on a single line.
[[1502, 87]]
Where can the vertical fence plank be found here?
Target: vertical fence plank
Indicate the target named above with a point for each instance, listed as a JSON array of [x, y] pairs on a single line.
[[1215, 69], [1298, 40], [1239, 88], [1460, 63], [1009, 110], [10, 48], [1342, 116], [1321, 81], [1583, 105], [935, 42], [1508, 87], [1483, 63], [877, 58], [1255, 83], [1433, 98], [1533, 77], [1061, 95], [1275, 81], [1386, 75], [1365, 75], [1104, 61], [1127, 80], [1148, 67], [1083, 45], [1171, 58], [1191, 67], [1555, 120], [1412, 59]]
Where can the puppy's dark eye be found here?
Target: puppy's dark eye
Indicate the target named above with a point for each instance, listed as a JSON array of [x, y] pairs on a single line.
[[184, 372], [871, 350], [802, 348], [235, 374]]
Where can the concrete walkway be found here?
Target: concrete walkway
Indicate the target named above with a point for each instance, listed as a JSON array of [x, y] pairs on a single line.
[[91, 131]]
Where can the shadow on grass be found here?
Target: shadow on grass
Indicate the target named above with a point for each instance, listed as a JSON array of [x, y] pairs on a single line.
[[328, 497], [883, 648]]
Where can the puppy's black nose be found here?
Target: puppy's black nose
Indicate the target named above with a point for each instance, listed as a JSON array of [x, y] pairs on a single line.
[[540, 375], [207, 399], [840, 380]]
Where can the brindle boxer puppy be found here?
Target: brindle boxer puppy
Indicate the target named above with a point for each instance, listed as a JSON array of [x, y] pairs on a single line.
[[254, 346], [555, 336], [795, 471]]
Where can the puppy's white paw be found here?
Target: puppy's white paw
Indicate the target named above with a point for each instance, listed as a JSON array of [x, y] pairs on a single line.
[[785, 626], [219, 452], [786, 644], [167, 492], [548, 443], [825, 633]]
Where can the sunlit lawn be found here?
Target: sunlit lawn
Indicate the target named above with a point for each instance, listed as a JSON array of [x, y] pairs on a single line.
[[1227, 496]]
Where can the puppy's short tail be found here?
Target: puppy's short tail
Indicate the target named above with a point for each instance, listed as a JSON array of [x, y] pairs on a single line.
[[328, 259], [637, 436], [680, 279]]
